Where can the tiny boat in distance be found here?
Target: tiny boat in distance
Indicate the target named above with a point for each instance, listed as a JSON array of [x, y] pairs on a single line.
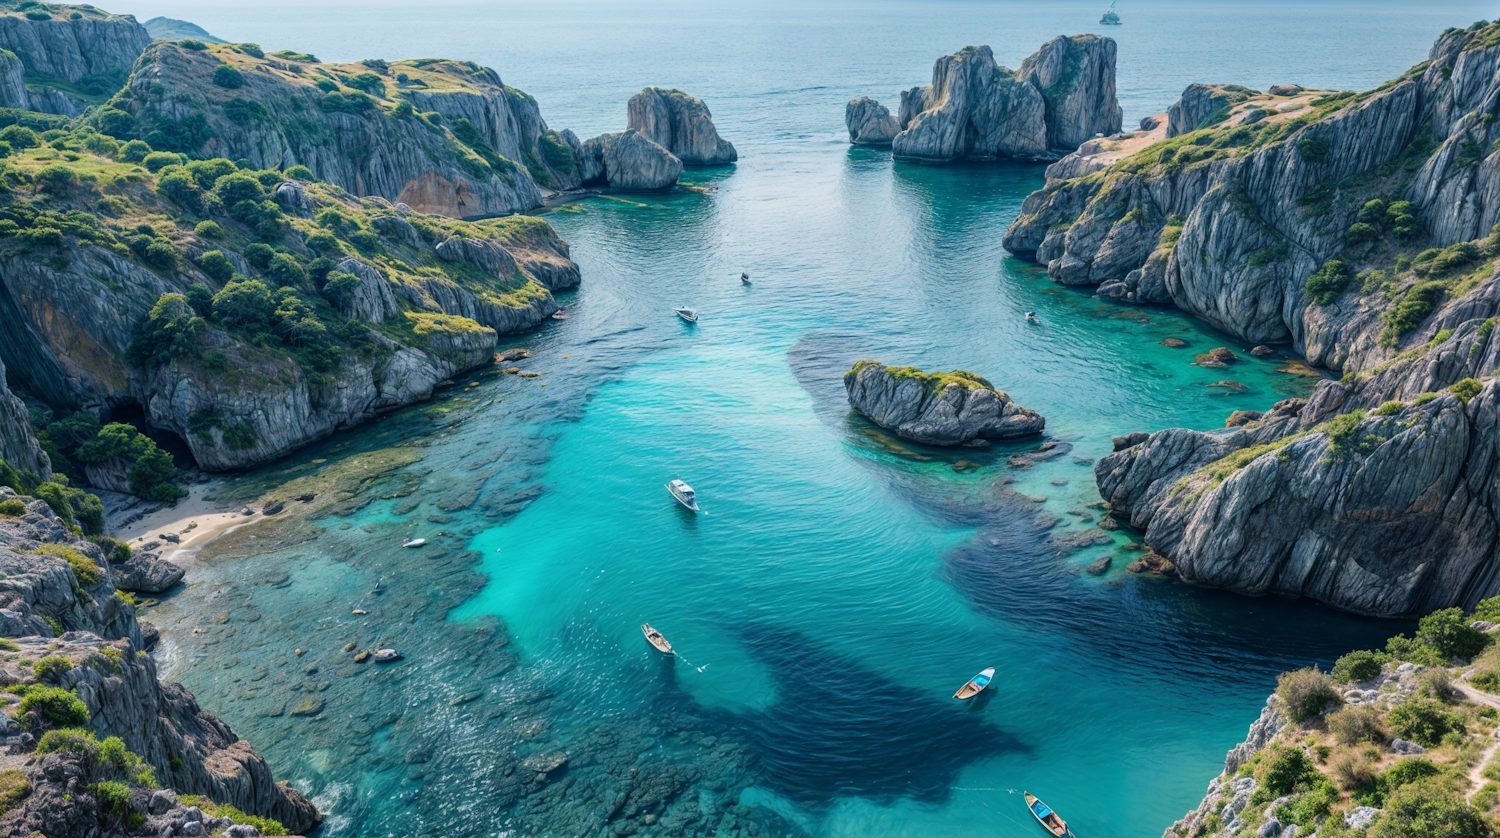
[[745, 278], [685, 495], [1110, 18], [976, 684], [1046, 817], [415, 542], [387, 656], [655, 638], [688, 314]]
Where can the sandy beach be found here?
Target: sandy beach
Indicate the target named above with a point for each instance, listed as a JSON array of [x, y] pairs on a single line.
[[195, 519]]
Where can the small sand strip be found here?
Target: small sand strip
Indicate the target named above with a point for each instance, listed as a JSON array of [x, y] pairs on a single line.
[[1476, 774], [195, 520]]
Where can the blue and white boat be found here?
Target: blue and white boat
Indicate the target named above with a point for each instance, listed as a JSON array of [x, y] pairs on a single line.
[[1046, 817], [976, 684]]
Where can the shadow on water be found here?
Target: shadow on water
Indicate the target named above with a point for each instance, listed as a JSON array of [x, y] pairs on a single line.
[[839, 728]]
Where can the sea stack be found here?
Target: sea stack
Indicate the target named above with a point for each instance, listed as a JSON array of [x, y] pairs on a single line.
[[870, 123], [681, 124], [936, 408], [975, 109]]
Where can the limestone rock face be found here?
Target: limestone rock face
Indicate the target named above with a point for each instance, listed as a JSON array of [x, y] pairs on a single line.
[[18, 444], [145, 573], [629, 162], [949, 409], [974, 108], [1077, 78], [189, 748], [681, 124], [1199, 102], [373, 301], [96, 50], [870, 123]]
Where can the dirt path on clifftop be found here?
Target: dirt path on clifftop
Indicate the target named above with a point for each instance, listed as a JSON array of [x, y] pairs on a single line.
[[1476, 776]]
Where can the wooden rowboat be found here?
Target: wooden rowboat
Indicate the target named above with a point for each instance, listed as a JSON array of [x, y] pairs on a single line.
[[655, 638], [1046, 817], [975, 685]]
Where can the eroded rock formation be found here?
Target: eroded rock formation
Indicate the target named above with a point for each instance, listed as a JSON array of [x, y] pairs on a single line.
[[74, 48], [681, 124], [936, 409], [870, 123], [1062, 96]]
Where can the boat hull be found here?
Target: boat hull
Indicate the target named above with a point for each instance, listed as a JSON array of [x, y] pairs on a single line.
[[1054, 824], [687, 504]]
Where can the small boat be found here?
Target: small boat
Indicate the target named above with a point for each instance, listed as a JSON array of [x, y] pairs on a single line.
[[559, 315], [745, 278], [976, 684], [359, 612], [688, 314], [1110, 18], [655, 638], [387, 656], [1046, 817], [684, 494], [1031, 317], [415, 542]]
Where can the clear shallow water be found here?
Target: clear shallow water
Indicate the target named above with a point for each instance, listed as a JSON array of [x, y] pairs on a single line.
[[842, 585]]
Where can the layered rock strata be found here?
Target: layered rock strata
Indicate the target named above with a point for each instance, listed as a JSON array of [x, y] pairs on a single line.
[[681, 124], [937, 409], [53, 64]]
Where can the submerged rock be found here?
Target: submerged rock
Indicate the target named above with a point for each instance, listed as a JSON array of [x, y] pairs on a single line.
[[869, 122], [936, 409], [681, 124]]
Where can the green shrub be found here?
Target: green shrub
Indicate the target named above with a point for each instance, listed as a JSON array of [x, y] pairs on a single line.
[[134, 151], [1408, 771], [1280, 770], [259, 255], [48, 668], [53, 494], [225, 75], [38, 14], [208, 230], [120, 762], [84, 567], [1487, 609], [224, 810], [1328, 281], [1306, 693], [323, 242], [12, 508], [56, 706], [1428, 810], [192, 44], [114, 799], [72, 740], [1313, 149], [299, 172], [19, 137], [1412, 310], [364, 240], [1466, 389], [170, 332], [1373, 212], [1361, 232], [1423, 721], [1360, 665], [1390, 408], [1487, 680], [158, 160], [216, 264], [1448, 632], [14, 788], [1353, 725], [56, 180]]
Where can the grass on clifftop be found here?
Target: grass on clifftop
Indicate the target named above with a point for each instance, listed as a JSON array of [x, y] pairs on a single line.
[[932, 382]]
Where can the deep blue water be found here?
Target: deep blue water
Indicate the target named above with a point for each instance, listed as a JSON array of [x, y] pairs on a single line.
[[841, 585]]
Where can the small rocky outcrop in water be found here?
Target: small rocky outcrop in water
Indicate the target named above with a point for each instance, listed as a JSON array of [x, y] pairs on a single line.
[[974, 108], [666, 130], [628, 162], [936, 409], [71, 635], [681, 124], [870, 123]]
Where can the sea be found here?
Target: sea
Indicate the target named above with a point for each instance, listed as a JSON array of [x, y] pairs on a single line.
[[840, 584]]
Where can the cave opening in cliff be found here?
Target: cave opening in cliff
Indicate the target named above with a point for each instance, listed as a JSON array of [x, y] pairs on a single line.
[[166, 440]]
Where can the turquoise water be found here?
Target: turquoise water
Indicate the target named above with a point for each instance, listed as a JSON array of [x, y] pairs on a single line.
[[841, 584]]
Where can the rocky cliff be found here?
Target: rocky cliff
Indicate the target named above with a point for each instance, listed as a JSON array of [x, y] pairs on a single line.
[[247, 312], [1062, 96], [1200, 103], [443, 137], [681, 124], [954, 408], [100, 746], [629, 162], [1352, 227], [18, 444], [61, 59]]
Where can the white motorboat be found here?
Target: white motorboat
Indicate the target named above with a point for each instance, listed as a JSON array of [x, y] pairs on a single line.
[[684, 494], [415, 542], [688, 314], [387, 656]]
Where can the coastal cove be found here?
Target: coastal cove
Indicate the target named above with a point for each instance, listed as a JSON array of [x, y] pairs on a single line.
[[842, 583]]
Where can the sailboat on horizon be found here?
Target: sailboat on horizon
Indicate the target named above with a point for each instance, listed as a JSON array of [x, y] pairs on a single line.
[[1110, 18]]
